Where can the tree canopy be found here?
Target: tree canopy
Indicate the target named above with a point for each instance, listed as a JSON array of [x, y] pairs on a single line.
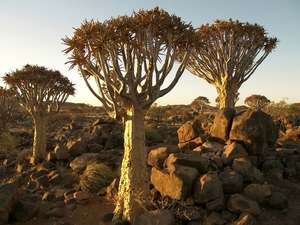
[[257, 101], [130, 57]]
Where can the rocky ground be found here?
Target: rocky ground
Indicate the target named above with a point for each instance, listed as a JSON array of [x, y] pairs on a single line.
[[207, 181]]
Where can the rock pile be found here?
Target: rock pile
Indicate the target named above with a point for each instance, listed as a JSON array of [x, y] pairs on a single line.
[[233, 174]]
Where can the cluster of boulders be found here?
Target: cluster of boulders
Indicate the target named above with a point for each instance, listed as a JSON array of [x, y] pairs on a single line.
[[234, 173]]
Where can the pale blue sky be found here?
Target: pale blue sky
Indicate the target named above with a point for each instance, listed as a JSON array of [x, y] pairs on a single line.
[[31, 32]]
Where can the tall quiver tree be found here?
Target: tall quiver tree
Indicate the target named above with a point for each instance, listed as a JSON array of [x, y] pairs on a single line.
[[230, 54], [41, 92], [130, 58]]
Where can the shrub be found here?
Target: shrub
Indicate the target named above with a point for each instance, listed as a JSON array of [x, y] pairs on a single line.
[[96, 176], [8, 142], [152, 135]]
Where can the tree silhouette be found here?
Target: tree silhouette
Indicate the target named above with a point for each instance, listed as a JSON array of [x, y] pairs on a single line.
[[9, 107], [129, 58], [41, 92], [199, 104], [257, 101], [230, 54]]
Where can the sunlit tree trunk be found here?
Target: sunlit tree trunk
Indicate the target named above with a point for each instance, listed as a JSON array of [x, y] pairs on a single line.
[[227, 95], [134, 181], [39, 141]]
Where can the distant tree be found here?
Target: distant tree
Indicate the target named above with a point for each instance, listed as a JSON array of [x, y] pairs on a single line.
[[130, 59], [41, 92], [257, 101], [199, 104], [231, 51], [278, 110], [9, 107]]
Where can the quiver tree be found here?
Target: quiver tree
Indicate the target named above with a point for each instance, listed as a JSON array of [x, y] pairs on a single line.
[[199, 104], [9, 107], [231, 51], [257, 101], [129, 59], [41, 92]]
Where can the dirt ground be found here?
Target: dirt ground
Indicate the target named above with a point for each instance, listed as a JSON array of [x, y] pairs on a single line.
[[89, 213]]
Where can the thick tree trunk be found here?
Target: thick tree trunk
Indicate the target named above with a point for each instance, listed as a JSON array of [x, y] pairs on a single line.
[[134, 181], [227, 95], [39, 141]]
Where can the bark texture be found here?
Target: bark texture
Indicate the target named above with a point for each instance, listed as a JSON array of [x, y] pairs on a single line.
[[134, 182]]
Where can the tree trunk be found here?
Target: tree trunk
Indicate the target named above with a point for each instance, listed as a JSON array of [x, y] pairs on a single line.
[[227, 95], [134, 181], [39, 141]]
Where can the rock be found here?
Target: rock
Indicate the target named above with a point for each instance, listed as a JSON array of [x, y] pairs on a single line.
[[61, 152], [38, 174], [257, 192], [238, 204], [81, 195], [217, 204], [48, 196], [43, 181], [76, 148], [191, 160], [207, 188], [274, 176], [278, 200], [213, 146], [228, 216], [54, 213], [290, 144], [270, 164], [246, 219], [9, 195], [58, 204], [176, 181], [255, 130], [233, 151], [189, 131], [222, 124], [231, 180], [244, 167], [156, 157], [24, 211], [51, 157], [156, 217], [79, 164], [56, 179], [216, 219]]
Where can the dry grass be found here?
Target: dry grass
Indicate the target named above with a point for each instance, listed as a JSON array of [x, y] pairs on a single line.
[[95, 177]]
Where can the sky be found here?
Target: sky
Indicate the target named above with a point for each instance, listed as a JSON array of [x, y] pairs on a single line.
[[31, 33]]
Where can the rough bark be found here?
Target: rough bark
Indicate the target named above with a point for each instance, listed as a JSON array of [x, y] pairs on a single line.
[[227, 95], [39, 141], [134, 181]]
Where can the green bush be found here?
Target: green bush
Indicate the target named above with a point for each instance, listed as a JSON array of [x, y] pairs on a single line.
[[152, 135], [8, 142], [95, 177]]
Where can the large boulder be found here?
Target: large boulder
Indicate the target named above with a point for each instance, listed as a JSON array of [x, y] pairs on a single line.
[[222, 124], [192, 160], [208, 188], [189, 131], [176, 181], [255, 130]]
